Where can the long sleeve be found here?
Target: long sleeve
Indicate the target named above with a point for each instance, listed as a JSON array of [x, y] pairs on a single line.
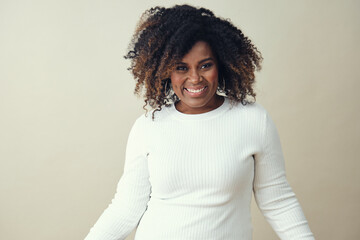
[[133, 192], [272, 191]]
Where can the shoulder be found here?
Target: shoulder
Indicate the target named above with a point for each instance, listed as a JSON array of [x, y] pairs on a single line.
[[154, 116], [250, 110], [252, 116], [261, 119]]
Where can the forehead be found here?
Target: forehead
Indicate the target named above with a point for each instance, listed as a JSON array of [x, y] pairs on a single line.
[[199, 51]]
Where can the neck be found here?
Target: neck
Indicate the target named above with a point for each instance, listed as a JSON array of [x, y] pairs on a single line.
[[216, 102]]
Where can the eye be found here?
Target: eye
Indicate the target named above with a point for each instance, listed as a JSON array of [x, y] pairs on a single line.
[[206, 65], [181, 68]]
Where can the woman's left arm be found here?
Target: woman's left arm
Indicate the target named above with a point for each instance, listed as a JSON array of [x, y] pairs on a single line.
[[272, 191]]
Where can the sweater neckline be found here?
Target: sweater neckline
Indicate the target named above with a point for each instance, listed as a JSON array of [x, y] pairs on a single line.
[[200, 116]]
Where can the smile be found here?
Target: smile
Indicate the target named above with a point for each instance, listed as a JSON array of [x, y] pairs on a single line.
[[195, 90]]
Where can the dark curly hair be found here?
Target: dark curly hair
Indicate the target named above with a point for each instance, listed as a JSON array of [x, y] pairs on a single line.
[[165, 35]]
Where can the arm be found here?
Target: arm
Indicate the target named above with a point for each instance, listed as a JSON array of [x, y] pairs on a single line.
[[273, 193], [132, 195]]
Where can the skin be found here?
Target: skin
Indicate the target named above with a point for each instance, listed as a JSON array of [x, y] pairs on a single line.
[[195, 81]]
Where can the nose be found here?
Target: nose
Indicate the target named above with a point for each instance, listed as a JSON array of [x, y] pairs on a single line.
[[194, 76]]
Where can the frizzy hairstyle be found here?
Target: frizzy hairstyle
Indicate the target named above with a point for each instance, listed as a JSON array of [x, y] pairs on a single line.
[[162, 38]]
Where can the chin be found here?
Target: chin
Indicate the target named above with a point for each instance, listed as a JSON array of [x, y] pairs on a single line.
[[196, 103]]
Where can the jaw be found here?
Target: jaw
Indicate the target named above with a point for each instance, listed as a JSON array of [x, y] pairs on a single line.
[[195, 105]]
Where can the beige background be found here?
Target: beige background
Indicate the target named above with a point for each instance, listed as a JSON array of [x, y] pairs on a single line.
[[67, 106]]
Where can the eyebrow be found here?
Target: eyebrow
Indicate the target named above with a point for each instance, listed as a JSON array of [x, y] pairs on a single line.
[[201, 61]]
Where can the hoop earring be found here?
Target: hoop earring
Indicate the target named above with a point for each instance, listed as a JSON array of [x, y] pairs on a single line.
[[223, 87], [165, 87]]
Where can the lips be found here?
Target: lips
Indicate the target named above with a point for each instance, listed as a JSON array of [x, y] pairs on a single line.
[[195, 90]]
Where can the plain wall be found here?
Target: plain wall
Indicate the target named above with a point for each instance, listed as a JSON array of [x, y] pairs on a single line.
[[67, 106]]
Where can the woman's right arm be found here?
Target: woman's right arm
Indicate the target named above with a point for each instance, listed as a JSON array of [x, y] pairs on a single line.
[[132, 195]]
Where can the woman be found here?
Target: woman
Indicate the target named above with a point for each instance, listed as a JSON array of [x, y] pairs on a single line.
[[192, 164]]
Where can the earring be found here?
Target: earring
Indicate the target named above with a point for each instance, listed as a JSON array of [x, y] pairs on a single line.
[[222, 79], [165, 87]]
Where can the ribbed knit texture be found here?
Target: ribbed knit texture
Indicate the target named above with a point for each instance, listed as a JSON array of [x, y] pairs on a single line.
[[191, 177]]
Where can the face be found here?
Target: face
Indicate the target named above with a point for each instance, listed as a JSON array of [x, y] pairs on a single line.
[[195, 80]]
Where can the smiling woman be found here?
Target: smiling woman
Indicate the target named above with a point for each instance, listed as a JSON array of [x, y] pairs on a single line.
[[195, 80], [167, 37], [191, 167]]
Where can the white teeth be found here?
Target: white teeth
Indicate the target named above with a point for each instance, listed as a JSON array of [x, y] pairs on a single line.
[[195, 91]]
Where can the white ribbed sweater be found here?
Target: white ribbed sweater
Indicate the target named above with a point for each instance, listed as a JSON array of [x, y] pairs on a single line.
[[191, 177]]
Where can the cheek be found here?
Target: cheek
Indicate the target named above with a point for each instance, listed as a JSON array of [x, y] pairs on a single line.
[[213, 77], [176, 82]]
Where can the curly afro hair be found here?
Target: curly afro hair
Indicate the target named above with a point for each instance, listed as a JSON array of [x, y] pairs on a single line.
[[165, 35]]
